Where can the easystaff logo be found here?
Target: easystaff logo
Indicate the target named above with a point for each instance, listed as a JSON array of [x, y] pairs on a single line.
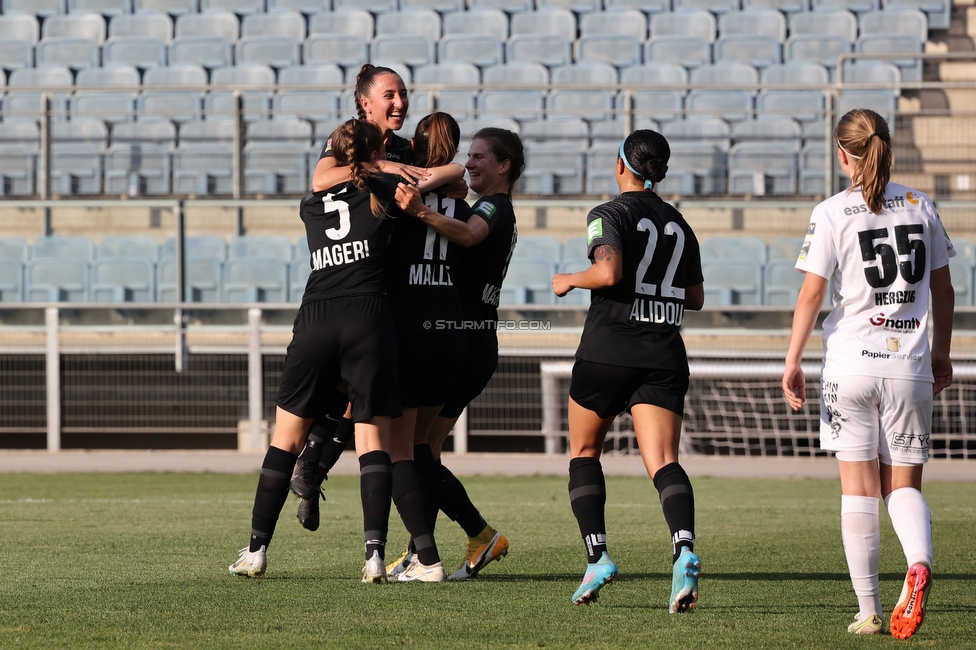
[[912, 198], [899, 324]]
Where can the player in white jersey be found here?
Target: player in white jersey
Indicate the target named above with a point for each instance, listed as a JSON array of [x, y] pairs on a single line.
[[884, 248]]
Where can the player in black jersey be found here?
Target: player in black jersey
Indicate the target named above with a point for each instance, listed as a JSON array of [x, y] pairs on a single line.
[[646, 272], [496, 160], [344, 340]]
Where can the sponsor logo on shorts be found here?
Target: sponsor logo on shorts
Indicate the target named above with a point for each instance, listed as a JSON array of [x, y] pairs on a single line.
[[593, 230], [910, 443]]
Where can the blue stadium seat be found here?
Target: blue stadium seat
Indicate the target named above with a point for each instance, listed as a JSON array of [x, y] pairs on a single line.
[[937, 12], [784, 248], [14, 249], [346, 50], [11, 281], [961, 275], [699, 129], [557, 128], [688, 51], [574, 248], [622, 22], [298, 273], [557, 168], [591, 105], [965, 250], [826, 22], [205, 51], [781, 282], [511, 6], [203, 168], [202, 282], [769, 128], [171, 7], [856, 6], [320, 107], [813, 169], [528, 281], [222, 24], [267, 246], [301, 6], [714, 6], [348, 22], [786, 6], [255, 280], [76, 156], [544, 247], [576, 6], [795, 72], [601, 159], [275, 168], [240, 7], [552, 21], [904, 22], [108, 8], [440, 6], [547, 49], [43, 8], [292, 131], [122, 279], [374, 6], [282, 23], [56, 280], [761, 169], [730, 105], [817, 48], [476, 49], [61, 247], [138, 162], [522, 105], [458, 102], [20, 27], [743, 247], [801, 105], [257, 103], [410, 49], [620, 51], [870, 71], [416, 22], [881, 101], [683, 22], [732, 282], [19, 145], [197, 247], [758, 51], [695, 168], [586, 73], [74, 53], [485, 22], [15, 54], [910, 69], [176, 105], [157, 26], [134, 51], [274, 51], [86, 26], [142, 246], [753, 21]]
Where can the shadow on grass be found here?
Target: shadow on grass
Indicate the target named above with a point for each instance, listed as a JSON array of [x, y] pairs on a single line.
[[764, 577]]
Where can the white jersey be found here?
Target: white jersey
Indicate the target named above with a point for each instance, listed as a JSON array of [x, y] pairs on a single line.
[[880, 266]]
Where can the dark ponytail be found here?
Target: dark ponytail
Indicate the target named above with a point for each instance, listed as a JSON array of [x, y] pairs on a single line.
[[364, 83], [646, 153]]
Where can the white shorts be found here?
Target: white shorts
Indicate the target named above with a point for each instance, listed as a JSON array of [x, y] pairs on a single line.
[[865, 418]]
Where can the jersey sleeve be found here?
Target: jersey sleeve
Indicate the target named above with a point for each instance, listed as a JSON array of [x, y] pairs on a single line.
[[487, 209], [693, 273], [326, 150], [818, 254], [602, 229], [942, 248]]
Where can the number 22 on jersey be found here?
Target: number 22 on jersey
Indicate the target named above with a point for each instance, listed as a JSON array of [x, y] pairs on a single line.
[[668, 290]]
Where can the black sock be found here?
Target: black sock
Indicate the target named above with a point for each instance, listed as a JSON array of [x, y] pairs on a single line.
[[336, 444], [376, 489], [678, 504], [318, 434], [411, 503], [588, 497], [270, 496], [430, 478], [454, 502]]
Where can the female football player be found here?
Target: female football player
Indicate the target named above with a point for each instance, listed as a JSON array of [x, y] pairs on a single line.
[[646, 272], [885, 250]]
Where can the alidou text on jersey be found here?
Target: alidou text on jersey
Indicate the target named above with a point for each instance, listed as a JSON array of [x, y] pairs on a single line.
[[646, 310]]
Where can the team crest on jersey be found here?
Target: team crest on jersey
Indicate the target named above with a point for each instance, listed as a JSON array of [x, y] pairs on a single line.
[[487, 209], [912, 198], [594, 230]]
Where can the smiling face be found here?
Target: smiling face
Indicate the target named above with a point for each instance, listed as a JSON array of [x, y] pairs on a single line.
[[386, 103], [486, 174]]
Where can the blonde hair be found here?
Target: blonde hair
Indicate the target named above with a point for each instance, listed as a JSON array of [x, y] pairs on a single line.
[[864, 136]]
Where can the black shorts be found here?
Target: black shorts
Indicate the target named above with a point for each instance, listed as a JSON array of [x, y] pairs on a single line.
[[608, 390], [348, 343], [476, 370], [429, 366]]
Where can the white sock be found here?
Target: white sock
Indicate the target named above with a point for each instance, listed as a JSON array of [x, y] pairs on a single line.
[[862, 545], [912, 522]]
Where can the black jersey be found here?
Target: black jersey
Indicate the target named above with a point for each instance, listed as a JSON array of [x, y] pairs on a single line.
[[482, 268], [420, 274], [636, 322], [347, 243], [397, 149]]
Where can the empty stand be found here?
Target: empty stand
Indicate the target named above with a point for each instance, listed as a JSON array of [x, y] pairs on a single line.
[[732, 282], [122, 279], [54, 280], [528, 281]]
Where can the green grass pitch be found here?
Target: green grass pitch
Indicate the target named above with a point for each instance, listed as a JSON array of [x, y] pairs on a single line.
[[140, 561]]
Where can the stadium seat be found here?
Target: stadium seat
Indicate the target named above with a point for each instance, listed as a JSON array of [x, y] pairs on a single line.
[[475, 49], [11, 281], [816, 48], [157, 26], [19, 146], [813, 170], [298, 273], [255, 280], [714, 6], [586, 73], [411, 49], [781, 282], [965, 250], [522, 105], [271, 247], [275, 168], [528, 281], [373, 6], [458, 102], [592, 104], [784, 248], [76, 156], [683, 22], [171, 7], [869, 71], [240, 7], [743, 247], [201, 283], [622, 22], [273, 51], [14, 249], [827, 22], [698, 129], [511, 6], [73, 53], [881, 101], [801, 105], [348, 22], [134, 52], [795, 72], [203, 168], [688, 51], [855, 6], [937, 12], [576, 6], [81, 26], [256, 103], [547, 49], [769, 128], [345, 50], [197, 247], [107, 8], [544, 247], [601, 159], [139, 160], [56, 280], [208, 52], [122, 279], [557, 168], [301, 6], [758, 51], [484, 22], [730, 105], [222, 24], [557, 128], [760, 169], [910, 69], [142, 246], [175, 105], [283, 23], [553, 21], [891, 21], [620, 51], [753, 21], [42, 8], [786, 6], [961, 276], [732, 282], [415, 22], [15, 54], [695, 168], [292, 131], [20, 27], [440, 6]]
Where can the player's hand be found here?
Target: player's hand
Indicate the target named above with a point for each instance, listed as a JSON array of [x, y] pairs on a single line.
[[408, 199], [455, 190], [415, 174], [794, 386], [942, 371], [561, 284]]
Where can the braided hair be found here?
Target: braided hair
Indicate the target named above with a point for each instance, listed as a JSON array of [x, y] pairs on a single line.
[[354, 145]]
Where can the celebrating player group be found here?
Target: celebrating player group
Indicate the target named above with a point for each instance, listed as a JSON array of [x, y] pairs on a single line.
[[395, 247]]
